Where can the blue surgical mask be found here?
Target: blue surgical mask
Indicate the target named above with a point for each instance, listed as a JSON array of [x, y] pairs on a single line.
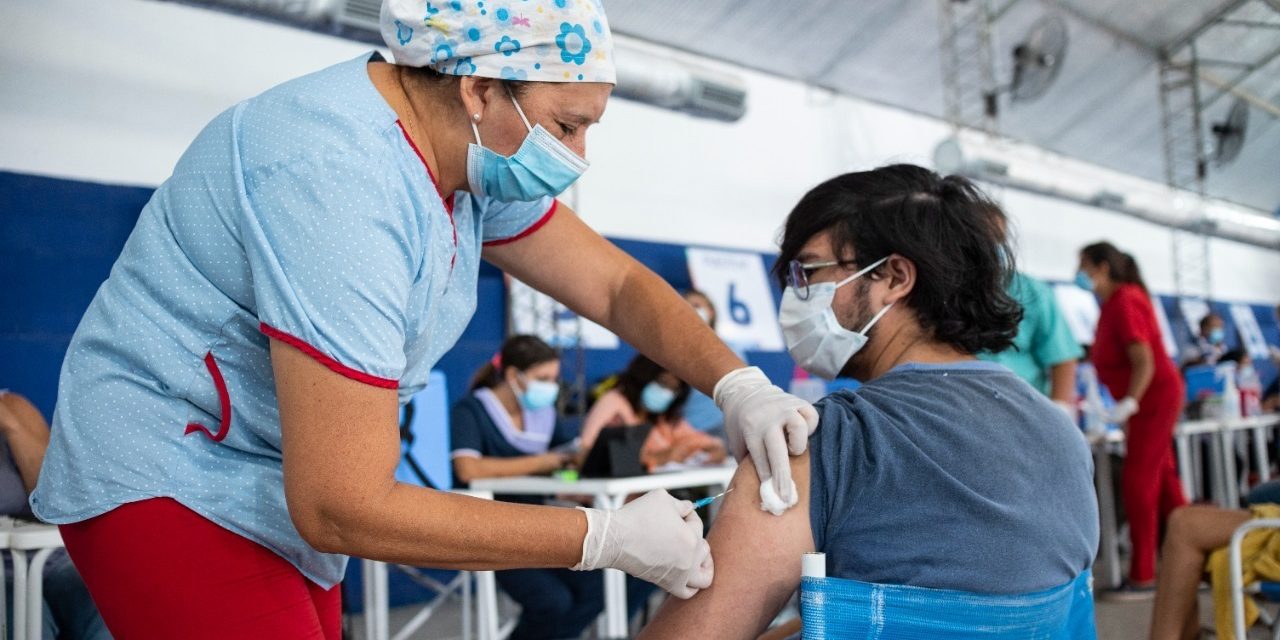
[[1217, 336], [542, 166], [1084, 281], [539, 394], [656, 398]]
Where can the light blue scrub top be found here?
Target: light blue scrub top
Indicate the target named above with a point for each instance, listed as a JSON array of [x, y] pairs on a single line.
[[303, 214], [1043, 339]]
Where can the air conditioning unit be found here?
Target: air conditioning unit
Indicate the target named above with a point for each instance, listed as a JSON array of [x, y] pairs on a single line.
[[359, 14], [673, 84], [307, 13], [643, 76], [952, 155]]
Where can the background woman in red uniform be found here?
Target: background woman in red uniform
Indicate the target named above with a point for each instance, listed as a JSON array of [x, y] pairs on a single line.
[[1129, 354]]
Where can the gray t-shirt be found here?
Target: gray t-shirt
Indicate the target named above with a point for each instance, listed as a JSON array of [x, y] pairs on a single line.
[[953, 476]]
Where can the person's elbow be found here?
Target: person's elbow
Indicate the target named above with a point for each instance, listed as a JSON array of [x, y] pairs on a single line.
[[464, 470], [330, 519]]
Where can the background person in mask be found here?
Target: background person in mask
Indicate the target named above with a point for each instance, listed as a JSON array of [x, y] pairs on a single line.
[[227, 409], [941, 471], [1128, 352], [646, 393], [1211, 342], [508, 427]]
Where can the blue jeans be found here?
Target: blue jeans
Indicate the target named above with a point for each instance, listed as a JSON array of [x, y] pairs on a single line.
[[69, 611], [1265, 492], [559, 603]]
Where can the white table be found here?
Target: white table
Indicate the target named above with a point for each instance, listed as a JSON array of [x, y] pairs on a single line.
[[1222, 461], [610, 493]]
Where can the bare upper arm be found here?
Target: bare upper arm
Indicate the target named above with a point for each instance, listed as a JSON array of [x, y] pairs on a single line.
[[1139, 352], [338, 437], [551, 261], [757, 564], [604, 412]]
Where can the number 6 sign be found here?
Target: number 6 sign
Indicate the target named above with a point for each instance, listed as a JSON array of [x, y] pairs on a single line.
[[736, 283]]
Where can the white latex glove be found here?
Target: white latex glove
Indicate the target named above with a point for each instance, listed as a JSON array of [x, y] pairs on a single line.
[[655, 538], [1123, 410], [766, 422]]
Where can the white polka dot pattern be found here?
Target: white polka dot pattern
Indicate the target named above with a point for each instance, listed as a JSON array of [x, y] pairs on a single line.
[[304, 209]]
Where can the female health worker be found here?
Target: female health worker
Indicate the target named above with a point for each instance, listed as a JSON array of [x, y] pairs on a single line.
[[225, 432], [1129, 354]]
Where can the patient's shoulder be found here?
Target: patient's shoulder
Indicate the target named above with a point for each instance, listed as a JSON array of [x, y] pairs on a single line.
[[841, 420]]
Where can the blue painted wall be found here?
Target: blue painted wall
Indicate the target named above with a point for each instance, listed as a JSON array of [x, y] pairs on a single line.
[[59, 238]]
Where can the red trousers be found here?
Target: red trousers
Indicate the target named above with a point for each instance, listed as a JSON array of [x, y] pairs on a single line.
[[1149, 480], [159, 570]]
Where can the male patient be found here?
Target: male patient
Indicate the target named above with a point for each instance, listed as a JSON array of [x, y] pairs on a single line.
[[941, 471]]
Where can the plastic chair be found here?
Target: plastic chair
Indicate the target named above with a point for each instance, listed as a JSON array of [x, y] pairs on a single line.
[[19, 538], [839, 608], [1238, 589]]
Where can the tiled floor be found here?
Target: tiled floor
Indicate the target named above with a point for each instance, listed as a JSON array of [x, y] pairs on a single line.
[[1116, 621]]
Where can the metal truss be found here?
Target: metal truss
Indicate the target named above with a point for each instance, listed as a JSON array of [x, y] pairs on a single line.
[[968, 66], [1190, 83]]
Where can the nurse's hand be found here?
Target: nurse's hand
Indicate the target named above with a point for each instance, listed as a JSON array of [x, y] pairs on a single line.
[[766, 422], [655, 538], [1123, 410]]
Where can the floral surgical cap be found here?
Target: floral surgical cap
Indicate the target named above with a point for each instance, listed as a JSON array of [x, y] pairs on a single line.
[[543, 40]]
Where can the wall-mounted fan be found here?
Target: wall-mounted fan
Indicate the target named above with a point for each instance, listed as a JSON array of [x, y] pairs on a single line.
[[1228, 135], [1037, 60]]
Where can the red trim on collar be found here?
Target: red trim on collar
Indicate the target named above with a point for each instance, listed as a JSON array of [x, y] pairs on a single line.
[[448, 202], [334, 365], [546, 217]]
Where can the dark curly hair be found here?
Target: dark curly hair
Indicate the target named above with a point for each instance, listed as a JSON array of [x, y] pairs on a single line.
[[948, 228]]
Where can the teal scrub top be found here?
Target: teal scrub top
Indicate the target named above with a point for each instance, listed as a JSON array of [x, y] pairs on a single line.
[[1043, 339]]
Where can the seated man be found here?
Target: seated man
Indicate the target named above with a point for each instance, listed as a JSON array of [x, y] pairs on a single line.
[[941, 471]]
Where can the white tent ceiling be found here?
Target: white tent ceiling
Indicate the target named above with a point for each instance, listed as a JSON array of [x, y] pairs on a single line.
[[1103, 108]]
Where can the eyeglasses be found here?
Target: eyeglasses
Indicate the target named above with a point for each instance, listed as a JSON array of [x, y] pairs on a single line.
[[798, 274]]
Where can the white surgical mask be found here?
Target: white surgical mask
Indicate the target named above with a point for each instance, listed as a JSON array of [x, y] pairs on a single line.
[[814, 337]]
